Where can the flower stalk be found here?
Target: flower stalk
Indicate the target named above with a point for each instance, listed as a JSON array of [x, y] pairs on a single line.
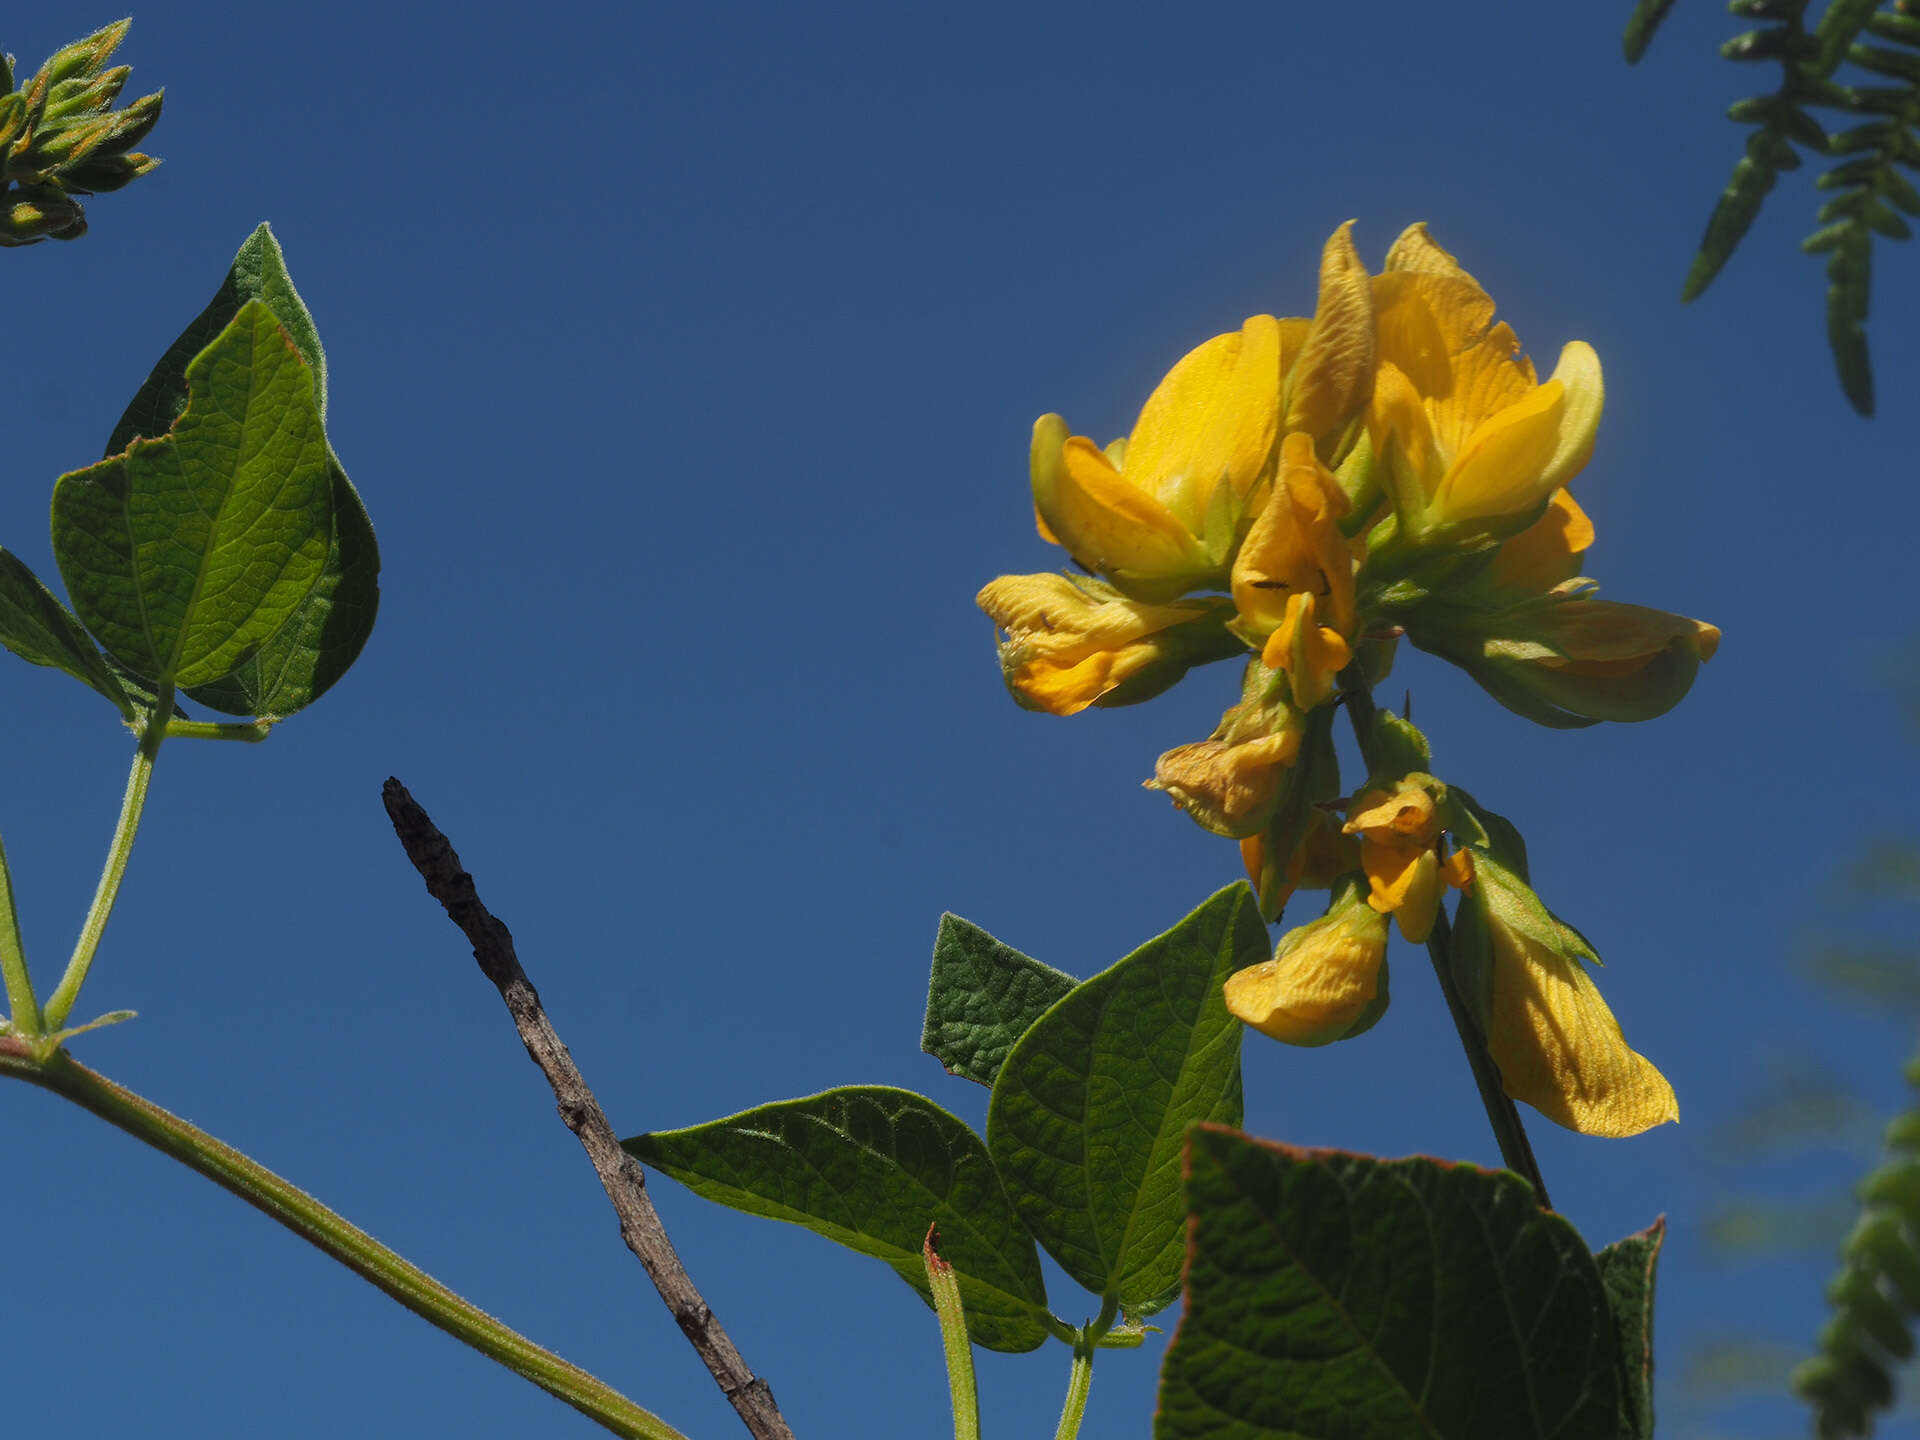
[[1516, 1151]]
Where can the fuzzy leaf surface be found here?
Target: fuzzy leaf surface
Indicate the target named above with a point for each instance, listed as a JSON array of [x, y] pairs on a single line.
[[1338, 1297], [870, 1167], [983, 996], [189, 551], [1089, 1111], [1627, 1269], [325, 634]]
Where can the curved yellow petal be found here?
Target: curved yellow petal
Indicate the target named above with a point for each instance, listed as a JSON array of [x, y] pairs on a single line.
[[1402, 437], [1499, 470], [1105, 523], [1333, 377], [1578, 375], [1560, 1049], [1213, 421], [1416, 249]]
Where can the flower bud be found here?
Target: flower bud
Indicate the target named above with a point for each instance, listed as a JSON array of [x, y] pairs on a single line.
[[1327, 980]]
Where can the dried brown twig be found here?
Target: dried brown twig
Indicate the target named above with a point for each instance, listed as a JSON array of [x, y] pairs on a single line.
[[620, 1174]]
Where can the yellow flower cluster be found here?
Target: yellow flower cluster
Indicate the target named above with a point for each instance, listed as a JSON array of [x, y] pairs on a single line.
[[1301, 493]]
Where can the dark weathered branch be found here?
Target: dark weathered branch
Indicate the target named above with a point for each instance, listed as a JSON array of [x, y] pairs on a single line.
[[625, 1182]]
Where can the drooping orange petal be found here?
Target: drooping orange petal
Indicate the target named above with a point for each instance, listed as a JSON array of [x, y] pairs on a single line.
[[1546, 552]]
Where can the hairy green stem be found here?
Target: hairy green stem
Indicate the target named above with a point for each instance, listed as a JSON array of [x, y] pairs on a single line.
[[945, 1286], [22, 1006], [358, 1251], [60, 1003], [1079, 1385], [1516, 1151], [249, 732]]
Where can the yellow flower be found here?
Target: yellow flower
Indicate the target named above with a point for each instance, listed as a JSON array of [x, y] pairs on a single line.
[[1467, 435], [1158, 514], [1074, 642], [1399, 829], [1161, 513], [1557, 1044], [1325, 982]]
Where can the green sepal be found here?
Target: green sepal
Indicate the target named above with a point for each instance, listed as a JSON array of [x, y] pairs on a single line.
[[1399, 749]]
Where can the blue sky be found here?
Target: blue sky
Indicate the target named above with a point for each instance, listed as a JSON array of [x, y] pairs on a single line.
[[685, 358]]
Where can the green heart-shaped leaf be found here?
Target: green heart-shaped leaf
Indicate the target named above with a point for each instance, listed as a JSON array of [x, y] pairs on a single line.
[[870, 1167], [1338, 1297], [35, 626], [188, 552], [983, 996], [1088, 1111], [325, 634]]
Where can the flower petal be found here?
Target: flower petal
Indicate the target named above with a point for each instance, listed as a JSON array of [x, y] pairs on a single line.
[[1105, 523], [1332, 379], [1213, 421], [1560, 1049], [1546, 552], [1499, 471]]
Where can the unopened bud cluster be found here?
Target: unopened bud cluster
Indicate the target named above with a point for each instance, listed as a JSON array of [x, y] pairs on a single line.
[[61, 138]]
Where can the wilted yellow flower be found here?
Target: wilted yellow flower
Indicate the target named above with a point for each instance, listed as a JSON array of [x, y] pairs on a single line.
[[1325, 982], [1231, 782], [1556, 1042], [1460, 422], [1162, 512], [1074, 642]]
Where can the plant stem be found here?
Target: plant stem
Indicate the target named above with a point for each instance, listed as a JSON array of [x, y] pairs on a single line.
[[22, 1006], [1079, 1385], [358, 1251], [60, 1003], [1503, 1116], [250, 732], [953, 1339]]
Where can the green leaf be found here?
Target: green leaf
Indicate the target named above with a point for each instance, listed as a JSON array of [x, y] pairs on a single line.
[[1645, 19], [870, 1167], [35, 626], [1849, 273], [1087, 1115], [982, 997], [1339, 1297], [258, 272], [325, 635], [185, 554], [1627, 1270], [326, 631]]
